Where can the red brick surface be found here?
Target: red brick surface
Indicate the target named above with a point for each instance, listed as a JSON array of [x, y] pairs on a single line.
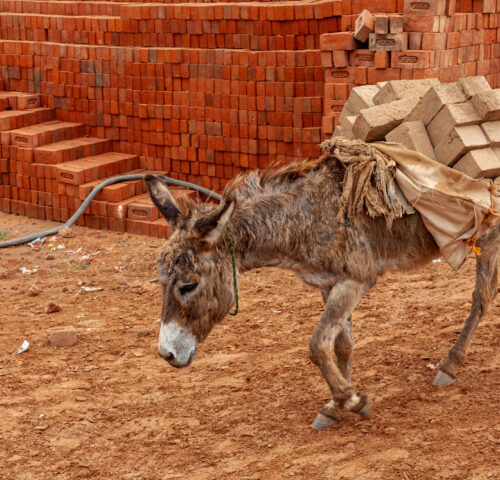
[[201, 90]]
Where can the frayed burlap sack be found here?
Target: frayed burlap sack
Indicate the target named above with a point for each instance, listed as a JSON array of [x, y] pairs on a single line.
[[369, 184], [455, 208], [387, 179]]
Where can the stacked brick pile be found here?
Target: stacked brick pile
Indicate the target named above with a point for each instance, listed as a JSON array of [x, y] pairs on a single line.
[[48, 167], [204, 90], [455, 123], [447, 40]]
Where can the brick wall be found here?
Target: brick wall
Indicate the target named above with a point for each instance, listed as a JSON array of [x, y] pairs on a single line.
[[205, 90]]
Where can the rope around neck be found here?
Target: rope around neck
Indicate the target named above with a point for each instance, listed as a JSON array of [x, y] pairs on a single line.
[[235, 281]]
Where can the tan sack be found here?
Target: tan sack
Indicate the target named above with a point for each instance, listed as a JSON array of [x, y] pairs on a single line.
[[455, 208]]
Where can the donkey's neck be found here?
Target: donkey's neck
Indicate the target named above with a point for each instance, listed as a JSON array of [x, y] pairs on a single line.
[[267, 231]]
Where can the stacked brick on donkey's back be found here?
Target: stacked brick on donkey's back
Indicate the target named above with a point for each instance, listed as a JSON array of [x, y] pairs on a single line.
[[455, 123], [204, 90]]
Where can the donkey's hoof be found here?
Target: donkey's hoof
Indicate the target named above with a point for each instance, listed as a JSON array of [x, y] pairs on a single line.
[[361, 404], [323, 421], [443, 379], [366, 411]]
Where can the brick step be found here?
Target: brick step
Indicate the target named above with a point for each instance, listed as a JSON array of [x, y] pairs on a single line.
[[69, 150], [15, 119], [19, 100], [96, 167], [44, 133]]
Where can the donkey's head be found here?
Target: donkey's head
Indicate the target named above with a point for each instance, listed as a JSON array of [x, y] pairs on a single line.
[[195, 272]]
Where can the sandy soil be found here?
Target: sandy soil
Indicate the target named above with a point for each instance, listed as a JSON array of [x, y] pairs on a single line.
[[110, 408]]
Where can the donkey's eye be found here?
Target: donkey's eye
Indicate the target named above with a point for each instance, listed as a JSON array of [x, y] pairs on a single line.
[[189, 287]]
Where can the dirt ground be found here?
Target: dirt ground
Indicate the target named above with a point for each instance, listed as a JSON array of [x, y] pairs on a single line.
[[111, 408]]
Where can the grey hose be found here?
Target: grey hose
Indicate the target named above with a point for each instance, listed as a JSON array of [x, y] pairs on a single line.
[[94, 192]]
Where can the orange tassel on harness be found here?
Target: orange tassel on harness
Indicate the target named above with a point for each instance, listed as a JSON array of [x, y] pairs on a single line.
[[491, 213]]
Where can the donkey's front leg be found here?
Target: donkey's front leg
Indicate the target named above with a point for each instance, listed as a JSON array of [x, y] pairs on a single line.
[[339, 305]]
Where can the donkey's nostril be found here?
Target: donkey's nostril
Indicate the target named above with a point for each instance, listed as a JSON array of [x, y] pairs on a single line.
[[168, 356]]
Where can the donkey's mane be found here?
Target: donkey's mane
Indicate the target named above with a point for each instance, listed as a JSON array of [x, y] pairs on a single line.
[[274, 179]]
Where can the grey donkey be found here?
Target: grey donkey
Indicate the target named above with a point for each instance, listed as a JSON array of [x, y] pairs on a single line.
[[287, 218]]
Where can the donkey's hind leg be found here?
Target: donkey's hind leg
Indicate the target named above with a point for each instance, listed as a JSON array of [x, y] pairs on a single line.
[[484, 292]]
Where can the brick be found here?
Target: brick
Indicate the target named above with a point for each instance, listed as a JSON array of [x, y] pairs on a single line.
[[479, 163], [143, 210], [68, 150], [434, 41], [489, 6], [460, 141], [451, 116], [339, 75], [487, 103], [426, 23], [326, 59], [365, 24], [376, 122], [43, 133], [97, 167], [492, 132], [398, 89], [381, 59], [345, 113], [389, 42], [362, 58], [473, 85], [20, 100], [361, 97], [414, 137], [415, 40], [450, 7], [347, 126], [337, 41], [340, 59], [434, 100], [381, 24], [414, 59], [64, 336], [28, 101], [338, 132], [396, 23], [424, 7], [13, 119]]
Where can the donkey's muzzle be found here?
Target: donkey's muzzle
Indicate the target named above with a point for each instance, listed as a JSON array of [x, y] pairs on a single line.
[[176, 345], [170, 358]]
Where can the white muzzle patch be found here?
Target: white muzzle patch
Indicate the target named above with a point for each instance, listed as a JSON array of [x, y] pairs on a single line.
[[176, 344]]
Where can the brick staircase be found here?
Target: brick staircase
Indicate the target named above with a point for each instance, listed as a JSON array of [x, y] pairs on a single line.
[[48, 168]]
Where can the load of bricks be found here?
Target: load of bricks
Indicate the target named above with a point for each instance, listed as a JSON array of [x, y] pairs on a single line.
[[457, 124], [202, 90]]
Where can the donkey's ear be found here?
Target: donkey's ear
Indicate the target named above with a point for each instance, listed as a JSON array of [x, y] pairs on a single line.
[[209, 227], [162, 197]]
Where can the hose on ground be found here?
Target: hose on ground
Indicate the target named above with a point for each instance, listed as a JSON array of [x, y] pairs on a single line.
[[94, 192]]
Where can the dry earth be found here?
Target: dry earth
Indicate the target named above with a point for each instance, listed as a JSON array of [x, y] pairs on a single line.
[[110, 408]]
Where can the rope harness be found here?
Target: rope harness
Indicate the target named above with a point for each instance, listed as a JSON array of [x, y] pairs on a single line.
[[235, 280], [491, 213]]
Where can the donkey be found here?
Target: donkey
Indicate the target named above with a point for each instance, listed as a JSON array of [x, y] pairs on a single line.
[[287, 218]]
